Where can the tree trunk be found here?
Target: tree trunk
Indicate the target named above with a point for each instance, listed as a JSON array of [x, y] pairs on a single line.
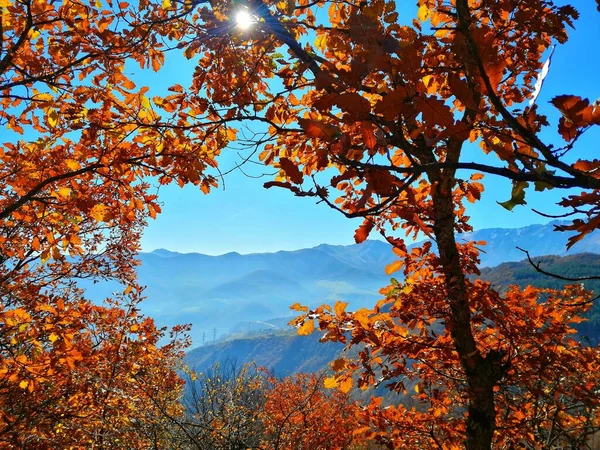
[[482, 372]]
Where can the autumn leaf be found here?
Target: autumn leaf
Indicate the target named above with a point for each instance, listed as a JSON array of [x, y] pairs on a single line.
[[320, 130], [368, 135], [435, 112], [306, 328], [330, 383], [321, 42], [356, 106], [394, 267], [574, 109], [52, 117], [338, 364], [340, 307], [362, 232], [460, 89], [424, 12], [291, 170], [299, 307], [345, 385]]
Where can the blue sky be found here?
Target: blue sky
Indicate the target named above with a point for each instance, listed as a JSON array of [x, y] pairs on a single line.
[[245, 217]]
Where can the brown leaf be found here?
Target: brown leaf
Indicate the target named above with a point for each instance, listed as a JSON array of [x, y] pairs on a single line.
[[291, 170], [355, 105], [435, 111], [382, 182]]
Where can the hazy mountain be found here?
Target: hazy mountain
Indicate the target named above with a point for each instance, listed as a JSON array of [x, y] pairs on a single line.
[[220, 292], [285, 352], [539, 240]]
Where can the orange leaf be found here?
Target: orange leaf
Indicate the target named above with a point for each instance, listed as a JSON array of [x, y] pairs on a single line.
[[368, 135], [306, 328], [338, 364], [574, 109], [460, 89], [340, 307], [346, 385], [320, 130], [298, 307], [394, 267], [362, 232]]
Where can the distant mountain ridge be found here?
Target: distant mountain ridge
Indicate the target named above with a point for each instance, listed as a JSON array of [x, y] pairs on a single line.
[[216, 293], [285, 352]]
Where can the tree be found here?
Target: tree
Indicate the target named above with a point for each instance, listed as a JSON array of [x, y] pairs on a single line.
[[80, 143], [393, 109], [300, 414], [80, 375], [248, 408], [223, 408]]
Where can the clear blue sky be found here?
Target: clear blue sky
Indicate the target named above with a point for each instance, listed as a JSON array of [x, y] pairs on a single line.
[[247, 218]]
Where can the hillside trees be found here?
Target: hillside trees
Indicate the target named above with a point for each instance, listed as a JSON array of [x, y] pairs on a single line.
[[79, 142], [394, 112], [248, 408]]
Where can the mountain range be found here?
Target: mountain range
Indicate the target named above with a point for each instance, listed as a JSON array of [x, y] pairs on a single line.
[[286, 352], [234, 292]]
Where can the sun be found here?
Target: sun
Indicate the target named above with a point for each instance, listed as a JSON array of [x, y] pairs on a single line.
[[243, 19]]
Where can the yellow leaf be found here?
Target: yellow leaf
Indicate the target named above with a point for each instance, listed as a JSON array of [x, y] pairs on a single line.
[[64, 192], [231, 134], [306, 328], [41, 97], [5, 3], [394, 267], [330, 383], [72, 164], [424, 13], [166, 4], [128, 290], [100, 213], [145, 101], [321, 42], [23, 384], [52, 117], [53, 337], [418, 388]]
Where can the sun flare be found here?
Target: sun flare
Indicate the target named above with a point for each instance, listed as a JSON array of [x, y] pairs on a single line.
[[243, 19]]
